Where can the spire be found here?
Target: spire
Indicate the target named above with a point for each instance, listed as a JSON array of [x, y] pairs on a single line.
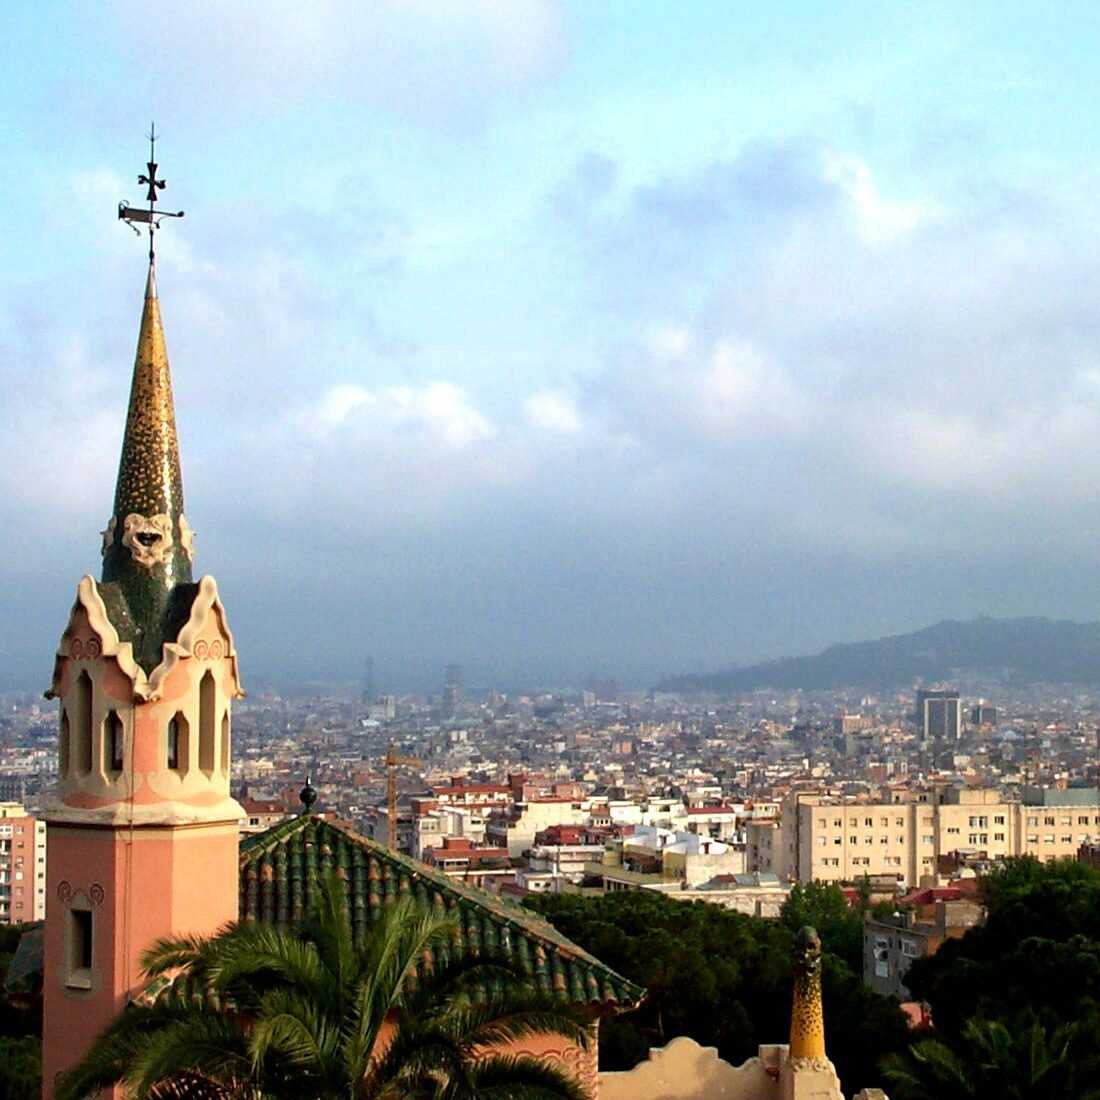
[[807, 1018], [147, 542]]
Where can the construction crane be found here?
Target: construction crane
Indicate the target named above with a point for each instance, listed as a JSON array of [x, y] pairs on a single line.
[[393, 760]]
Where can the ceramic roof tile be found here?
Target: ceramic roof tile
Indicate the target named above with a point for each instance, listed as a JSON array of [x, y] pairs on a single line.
[[278, 868]]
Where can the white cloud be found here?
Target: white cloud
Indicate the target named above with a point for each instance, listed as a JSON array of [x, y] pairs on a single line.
[[878, 220], [554, 411], [440, 409]]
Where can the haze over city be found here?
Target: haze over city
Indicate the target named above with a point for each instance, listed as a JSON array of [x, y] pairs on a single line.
[[563, 339]]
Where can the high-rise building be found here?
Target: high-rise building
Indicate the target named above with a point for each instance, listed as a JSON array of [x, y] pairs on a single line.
[[22, 865], [452, 688], [368, 681], [938, 715], [142, 836]]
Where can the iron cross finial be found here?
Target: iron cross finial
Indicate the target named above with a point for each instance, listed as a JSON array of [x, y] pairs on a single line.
[[151, 179], [151, 217]]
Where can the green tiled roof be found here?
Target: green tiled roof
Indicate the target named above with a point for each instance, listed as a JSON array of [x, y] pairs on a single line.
[[279, 869]]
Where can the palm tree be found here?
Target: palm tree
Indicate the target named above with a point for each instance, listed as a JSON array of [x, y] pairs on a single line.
[[996, 1063], [256, 1013]]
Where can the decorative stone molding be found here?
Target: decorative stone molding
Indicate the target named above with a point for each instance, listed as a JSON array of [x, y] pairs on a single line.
[[108, 534], [187, 538], [147, 689], [811, 1065], [684, 1070], [148, 538]]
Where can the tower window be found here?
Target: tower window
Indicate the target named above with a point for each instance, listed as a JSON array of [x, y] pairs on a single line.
[[207, 702], [116, 740], [82, 724], [63, 745], [225, 742], [178, 744], [80, 949]]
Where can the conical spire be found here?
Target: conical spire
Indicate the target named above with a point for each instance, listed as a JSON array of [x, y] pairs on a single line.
[[807, 1019], [147, 543]]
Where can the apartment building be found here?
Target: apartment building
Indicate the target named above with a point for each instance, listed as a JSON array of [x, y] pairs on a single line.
[[22, 865], [827, 838]]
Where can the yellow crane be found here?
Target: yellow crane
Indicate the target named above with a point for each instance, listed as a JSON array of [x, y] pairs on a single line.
[[393, 760]]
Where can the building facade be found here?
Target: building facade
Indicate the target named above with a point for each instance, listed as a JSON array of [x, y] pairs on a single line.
[[831, 839], [22, 865]]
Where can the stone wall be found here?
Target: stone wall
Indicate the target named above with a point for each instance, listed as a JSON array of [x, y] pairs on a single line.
[[684, 1070]]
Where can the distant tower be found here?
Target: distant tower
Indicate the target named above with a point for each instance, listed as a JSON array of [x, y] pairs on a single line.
[[938, 715], [368, 680], [142, 838], [452, 688]]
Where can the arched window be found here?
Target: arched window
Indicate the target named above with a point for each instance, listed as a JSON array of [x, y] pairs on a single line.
[[225, 741], [114, 739], [81, 730], [207, 702], [63, 745], [178, 743]]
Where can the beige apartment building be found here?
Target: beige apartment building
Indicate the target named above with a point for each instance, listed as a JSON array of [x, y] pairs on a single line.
[[827, 838]]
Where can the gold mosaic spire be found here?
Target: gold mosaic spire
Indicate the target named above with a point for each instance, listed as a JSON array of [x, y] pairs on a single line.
[[149, 478], [807, 1018], [147, 543]]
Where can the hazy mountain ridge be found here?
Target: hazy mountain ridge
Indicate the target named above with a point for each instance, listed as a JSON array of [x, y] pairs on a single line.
[[1027, 650]]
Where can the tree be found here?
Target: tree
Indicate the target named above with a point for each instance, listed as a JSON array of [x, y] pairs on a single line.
[[721, 977], [1037, 951], [823, 906], [996, 1062], [255, 1012]]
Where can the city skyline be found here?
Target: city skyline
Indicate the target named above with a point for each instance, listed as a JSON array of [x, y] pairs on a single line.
[[563, 340]]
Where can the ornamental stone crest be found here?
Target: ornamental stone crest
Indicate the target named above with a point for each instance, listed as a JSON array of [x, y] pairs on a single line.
[[187, 538], [148, 538], [108, 534]]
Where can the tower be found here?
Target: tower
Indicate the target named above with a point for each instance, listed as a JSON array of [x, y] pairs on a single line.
[[142, 838]]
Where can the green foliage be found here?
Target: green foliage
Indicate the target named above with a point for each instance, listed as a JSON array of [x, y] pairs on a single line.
[[824, 906], [723, 978], [995, 1062], [1015, 1001], [20, 1068], [255, 1012], [1038, 951]]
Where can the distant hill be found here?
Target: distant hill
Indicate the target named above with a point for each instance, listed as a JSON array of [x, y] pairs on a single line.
[[1022, 650]]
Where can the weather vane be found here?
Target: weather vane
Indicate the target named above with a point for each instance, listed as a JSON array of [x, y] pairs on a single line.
[[133, 215]]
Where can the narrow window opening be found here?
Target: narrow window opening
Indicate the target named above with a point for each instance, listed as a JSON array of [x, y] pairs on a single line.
[[225, 742], [206, 723], [80, 948], [82, 720], [116, 739], [63, 745], [178, 744]]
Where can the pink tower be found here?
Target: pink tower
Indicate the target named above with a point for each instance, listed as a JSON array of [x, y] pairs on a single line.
[[142, 835]]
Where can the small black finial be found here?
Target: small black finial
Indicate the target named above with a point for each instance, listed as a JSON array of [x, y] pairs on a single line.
[[308, 796]]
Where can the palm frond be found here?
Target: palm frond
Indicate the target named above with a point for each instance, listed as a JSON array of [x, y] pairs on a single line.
[[519, 1077]]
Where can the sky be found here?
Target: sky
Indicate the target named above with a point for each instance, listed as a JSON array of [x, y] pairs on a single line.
[[561, 339]]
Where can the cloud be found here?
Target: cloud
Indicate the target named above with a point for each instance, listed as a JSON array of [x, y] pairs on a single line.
[[553, 411], [775, 388], [423, 59], [878, 220]]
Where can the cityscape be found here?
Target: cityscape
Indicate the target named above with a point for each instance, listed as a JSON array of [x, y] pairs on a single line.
[[632, 630]]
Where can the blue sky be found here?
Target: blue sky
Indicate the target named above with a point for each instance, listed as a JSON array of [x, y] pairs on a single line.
[[558, 338]]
